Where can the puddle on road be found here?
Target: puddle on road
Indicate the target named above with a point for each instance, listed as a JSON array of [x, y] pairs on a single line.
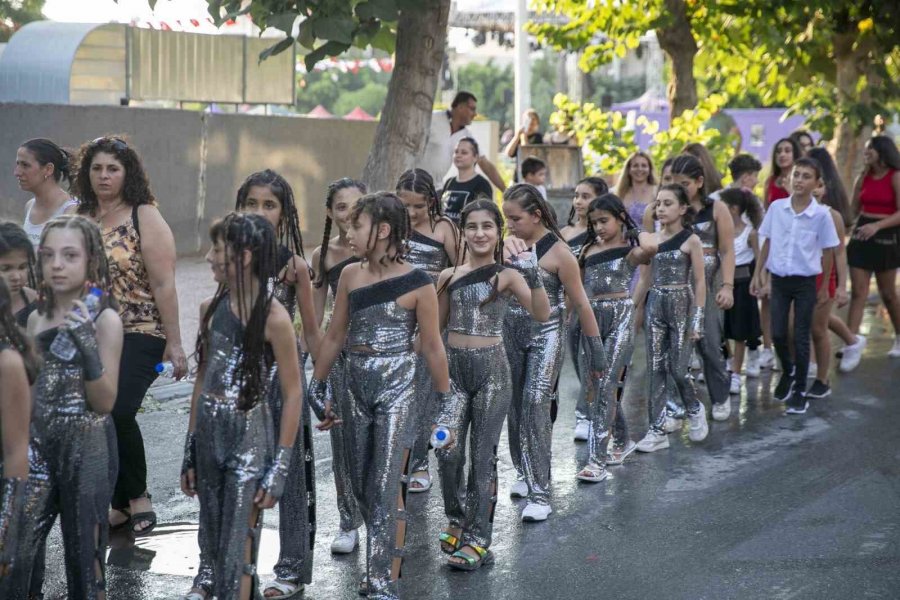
[[172, 550]]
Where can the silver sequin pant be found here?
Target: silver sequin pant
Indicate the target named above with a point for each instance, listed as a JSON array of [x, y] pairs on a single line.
[[535, 352], [710, 345], [378, 420], [481, 376], [234, 448], [669, 351], [347, 508], [573, 345], [426, 408]]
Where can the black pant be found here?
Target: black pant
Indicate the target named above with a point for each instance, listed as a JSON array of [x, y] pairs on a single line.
[[801, 291], [137, 371]]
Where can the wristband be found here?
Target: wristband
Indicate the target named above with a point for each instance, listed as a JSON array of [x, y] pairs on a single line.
[[529, 269], [190, 453], [273, 480], [85, 337], [697, 320], [595, 353], [319, 395], [452, 407]]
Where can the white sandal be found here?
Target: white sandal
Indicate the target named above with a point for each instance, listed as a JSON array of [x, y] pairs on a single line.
[[285, 589], [424, 482], [193, 596]]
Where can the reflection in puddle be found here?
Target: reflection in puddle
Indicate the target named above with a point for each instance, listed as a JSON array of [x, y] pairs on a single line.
[[172, 550]]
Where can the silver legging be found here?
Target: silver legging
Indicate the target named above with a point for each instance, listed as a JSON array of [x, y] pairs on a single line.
[[426, 410], [348, 510], [669, 351], [482, 376], [535, 352], [377, 425]]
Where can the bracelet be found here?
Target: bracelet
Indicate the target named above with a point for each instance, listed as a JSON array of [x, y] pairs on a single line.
[[731, 285]]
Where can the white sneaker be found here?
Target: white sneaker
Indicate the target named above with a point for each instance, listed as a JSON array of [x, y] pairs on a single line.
[[735, 386], [853, 354], [751, 367], [699, 428], [536, 512], [767, 359], [695, 361], [345, 542], [672, 424], [894, 352], [519, 489], [721, 412], [582, 431], [729, 366], [700, 377], [652, 442]]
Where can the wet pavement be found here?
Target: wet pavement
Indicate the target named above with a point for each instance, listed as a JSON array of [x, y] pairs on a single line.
[[768, 506]]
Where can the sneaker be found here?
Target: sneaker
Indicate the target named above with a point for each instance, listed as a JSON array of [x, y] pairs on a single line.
[[797, 404], [519, 489], [852, 354], [729, 366], [345, 542], [699, 428], [784, 388], [652, 442], [695, 361], [672, 424], [894, 352], [751, 367], [582, 431], [721, 412], [700, 377], [766, 359], [818, 389], [617, 454], [536, 512], [735, 386]]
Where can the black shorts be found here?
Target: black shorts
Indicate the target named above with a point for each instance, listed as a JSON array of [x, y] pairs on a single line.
[[881, 252]]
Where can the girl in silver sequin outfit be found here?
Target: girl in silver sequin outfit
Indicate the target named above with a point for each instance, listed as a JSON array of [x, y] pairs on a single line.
[[378, 308], [612, 252], [535, 349], [268, 194], [473, 300], [72, 400], [432, 246], [329, 260], [231, 461], [674, 316], [575, 233], [18, 493]]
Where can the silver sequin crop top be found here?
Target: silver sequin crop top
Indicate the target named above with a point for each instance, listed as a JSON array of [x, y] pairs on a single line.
[[577, 242], [377, 321], [556, 293], [608, 272], [469, 313], [59, 390], [428, 255], [706, 230], [671, 266], [333, 275]]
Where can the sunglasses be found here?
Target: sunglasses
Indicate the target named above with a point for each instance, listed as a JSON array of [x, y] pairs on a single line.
[[117, 143]]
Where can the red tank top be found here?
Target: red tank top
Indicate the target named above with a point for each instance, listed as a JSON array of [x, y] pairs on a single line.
[[876, 196], [775, 191]]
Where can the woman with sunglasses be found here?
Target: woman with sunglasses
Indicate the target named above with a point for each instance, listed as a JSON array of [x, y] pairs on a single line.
[[114, 191]]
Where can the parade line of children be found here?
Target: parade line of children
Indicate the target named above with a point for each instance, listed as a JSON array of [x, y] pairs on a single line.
[[455, 323]]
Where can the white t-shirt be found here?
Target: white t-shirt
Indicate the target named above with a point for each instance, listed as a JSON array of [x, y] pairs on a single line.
[[438, 156]]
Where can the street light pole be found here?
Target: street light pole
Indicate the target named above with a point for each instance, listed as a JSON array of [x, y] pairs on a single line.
[[522, 63]]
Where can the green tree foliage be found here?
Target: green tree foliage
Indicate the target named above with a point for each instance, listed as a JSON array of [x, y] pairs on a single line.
[[334, 90], [15, 13], [493, 86]]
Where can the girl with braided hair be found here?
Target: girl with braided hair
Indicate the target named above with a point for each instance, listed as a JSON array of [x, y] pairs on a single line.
[[72, 399], [432, 247], [329, 260], [380, 307], [535, 349], [17, 270], [612, 251], [41, 169], [231, 461]]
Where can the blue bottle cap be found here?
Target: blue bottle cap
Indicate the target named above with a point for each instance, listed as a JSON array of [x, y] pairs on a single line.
[[440, 435], [95, 291], [159, 368]]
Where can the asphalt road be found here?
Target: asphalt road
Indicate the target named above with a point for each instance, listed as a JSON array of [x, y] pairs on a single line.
[[768, 506]]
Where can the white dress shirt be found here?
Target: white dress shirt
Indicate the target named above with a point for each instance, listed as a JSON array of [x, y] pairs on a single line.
[[796, 240], [438, 156]]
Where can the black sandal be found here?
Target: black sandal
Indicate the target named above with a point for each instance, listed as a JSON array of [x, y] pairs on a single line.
[[149, 516], [123, 524]]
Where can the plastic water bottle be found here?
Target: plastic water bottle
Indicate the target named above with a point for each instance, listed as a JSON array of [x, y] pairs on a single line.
[[165, 369], [63, 346], [440, 437]]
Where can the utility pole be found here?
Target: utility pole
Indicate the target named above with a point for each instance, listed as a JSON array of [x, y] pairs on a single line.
[[522, 63]]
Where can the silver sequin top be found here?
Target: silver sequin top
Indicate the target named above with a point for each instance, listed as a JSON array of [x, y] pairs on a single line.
[[333, 275], [671, 266], [577, 242], [705, 228], [427, 254], [556, 293], [469, 314], [283, 290], [59, 392], [377, 321], [608, 272]]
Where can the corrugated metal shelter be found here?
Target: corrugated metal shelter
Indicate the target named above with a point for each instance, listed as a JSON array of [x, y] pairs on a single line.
[[77, 63]]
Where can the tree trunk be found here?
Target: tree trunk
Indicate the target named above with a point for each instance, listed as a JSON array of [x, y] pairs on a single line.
[[677, 41], [403, 130], [851, 62]]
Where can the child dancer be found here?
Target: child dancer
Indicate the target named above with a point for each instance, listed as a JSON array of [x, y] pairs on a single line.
[[535, 349], [268, 194], [713, 225], [73, 398], [230, 460], [19, 493], [17, 269], [473, 302], [674, 316], [611, 255], [574, 234], [431, 248], [378, 308], [742, 319], [330, 259]]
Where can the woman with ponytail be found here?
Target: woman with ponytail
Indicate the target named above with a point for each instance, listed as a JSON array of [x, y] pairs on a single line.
[[41, 169]]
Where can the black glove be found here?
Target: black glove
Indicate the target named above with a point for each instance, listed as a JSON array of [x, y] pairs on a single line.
[[85, 337]]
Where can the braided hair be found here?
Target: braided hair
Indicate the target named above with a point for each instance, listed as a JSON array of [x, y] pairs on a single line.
[[612, 204], [12, 334], [333, 188], [241, 232], [288, 229], [97, 271], [47, 152], [419, 181], [690, 166], [488, 205], [12, 238], [598, 185], [531, 201], [386, 207]]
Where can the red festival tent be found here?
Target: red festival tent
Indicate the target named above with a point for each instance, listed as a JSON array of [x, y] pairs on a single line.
[[319, 112], [358, 114]]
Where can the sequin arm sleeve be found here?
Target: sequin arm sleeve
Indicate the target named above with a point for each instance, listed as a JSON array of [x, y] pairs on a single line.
[[190, 453], [528, 267], [12, 499], [697, 320], [319, 394], [273, 480], [452, 408], [85, 337], [595, 353]]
